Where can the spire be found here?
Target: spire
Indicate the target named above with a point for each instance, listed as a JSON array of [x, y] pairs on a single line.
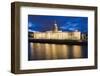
[[55, 23], [55, 29]]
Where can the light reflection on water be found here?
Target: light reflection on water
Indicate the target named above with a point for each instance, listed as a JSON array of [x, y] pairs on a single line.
[[39, 51]]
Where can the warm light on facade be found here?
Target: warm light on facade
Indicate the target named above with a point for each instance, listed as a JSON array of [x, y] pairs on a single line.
[[56, 34]]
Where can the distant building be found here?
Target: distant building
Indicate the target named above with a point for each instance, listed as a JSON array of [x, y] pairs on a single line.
[[55, 33]]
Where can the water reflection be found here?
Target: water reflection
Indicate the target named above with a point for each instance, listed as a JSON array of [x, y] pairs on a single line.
[[39, 51], [77, 53]]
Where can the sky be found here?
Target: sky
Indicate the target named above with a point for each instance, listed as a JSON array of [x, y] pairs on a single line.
[[44, 23]]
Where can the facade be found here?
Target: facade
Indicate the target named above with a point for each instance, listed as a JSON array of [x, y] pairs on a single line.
[[56, 34]]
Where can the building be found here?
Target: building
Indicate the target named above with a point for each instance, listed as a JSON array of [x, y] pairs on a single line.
[[55, 33]]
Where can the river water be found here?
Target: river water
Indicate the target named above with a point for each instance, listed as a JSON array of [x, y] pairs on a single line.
[[45, 51]]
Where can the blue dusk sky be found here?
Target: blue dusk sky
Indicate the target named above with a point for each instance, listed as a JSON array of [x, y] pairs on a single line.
[[44, 23]]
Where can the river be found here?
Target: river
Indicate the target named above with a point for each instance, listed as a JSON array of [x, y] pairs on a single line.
[[45, 51]]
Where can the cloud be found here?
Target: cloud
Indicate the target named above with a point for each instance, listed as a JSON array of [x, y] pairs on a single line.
[[31, 25], [70, 26], [32, 30]]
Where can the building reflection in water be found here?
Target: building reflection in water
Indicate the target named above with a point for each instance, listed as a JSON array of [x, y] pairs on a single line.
[[77, 53], [39, 51]]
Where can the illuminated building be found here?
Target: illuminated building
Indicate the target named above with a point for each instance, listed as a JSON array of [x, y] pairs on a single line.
[[55, 33]]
